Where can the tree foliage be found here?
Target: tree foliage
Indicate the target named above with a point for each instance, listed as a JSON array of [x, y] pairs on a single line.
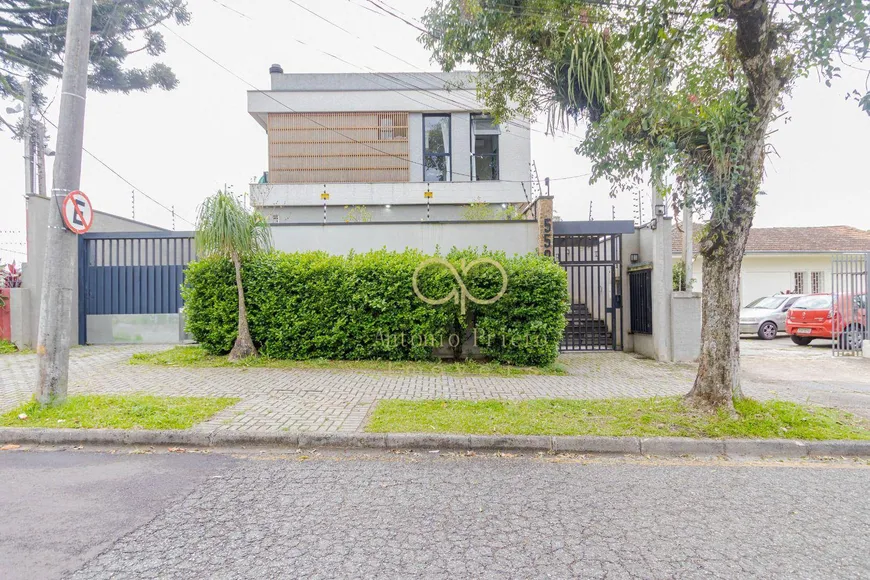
[[665, 83], [33, 37], [688, 86]]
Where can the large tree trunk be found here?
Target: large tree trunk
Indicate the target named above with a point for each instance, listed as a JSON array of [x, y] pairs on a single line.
[[244, 346], [724, 242], [718, 381]]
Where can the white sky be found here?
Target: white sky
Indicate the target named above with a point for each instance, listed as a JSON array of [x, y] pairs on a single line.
[[180, 146]]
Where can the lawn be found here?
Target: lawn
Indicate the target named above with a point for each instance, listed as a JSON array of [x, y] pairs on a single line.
[[118, 412], [7, 347], [194, 356], [660, 416]]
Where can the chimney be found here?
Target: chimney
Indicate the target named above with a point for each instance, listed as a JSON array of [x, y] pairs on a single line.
[[276, 69]]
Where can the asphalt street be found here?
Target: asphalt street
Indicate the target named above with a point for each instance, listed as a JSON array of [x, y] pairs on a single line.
[[116, 514]]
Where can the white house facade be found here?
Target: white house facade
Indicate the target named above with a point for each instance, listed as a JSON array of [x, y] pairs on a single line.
[[785, 259], [384, 148]]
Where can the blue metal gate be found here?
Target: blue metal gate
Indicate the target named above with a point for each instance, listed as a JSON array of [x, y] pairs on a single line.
[[131, 273]]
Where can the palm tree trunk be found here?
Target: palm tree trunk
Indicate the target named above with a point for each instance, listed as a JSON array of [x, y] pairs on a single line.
[[244, 346]]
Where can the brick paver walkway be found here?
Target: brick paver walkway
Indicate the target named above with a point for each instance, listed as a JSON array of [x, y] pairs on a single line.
[[322, 400]]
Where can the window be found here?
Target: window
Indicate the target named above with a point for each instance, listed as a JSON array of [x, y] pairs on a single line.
[[484, 148], [817, 282], [767, 303], [800, 282], [392, 127], [436, 148], [813, 303]]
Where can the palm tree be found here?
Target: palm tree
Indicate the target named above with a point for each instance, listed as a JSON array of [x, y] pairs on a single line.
[[225, 228]]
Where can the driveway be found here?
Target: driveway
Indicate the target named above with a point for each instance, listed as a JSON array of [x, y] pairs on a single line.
[[323, 400]]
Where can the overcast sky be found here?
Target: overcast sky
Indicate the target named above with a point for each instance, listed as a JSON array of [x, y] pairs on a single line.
[[182, 145]]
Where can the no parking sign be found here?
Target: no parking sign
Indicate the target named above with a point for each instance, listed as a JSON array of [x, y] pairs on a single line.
[[77, 212]]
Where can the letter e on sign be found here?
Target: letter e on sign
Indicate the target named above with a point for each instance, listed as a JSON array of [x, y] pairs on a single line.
[[77, 212]]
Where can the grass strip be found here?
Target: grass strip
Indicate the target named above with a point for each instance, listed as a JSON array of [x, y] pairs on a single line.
[[196, 357], [659, 416], [118, 412]]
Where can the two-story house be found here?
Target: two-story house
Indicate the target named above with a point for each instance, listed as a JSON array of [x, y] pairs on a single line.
[[377, 143]]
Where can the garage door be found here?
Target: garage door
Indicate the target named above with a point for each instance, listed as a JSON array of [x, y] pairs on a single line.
[[758, 284]]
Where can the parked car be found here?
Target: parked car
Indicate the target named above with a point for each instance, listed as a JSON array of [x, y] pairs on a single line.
[[766, 316], [815, 316]]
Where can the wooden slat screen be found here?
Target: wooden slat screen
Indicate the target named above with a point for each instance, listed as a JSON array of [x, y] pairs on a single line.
[[338, 147]]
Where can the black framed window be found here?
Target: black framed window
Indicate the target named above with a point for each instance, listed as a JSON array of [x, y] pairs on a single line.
[[436, 148], [484, 148]]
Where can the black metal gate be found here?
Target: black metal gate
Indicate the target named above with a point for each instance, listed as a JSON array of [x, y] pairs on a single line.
[[591, 253], [131, 273]]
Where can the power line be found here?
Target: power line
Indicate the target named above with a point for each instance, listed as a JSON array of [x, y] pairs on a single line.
[[463, 105], [308, 117], [118, 175]]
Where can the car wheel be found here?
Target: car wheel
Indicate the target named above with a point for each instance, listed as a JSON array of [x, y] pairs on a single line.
[[852, 338], [801, 340], [767, 331]]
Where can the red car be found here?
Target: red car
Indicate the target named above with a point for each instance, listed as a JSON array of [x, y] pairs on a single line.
[[815, 316]]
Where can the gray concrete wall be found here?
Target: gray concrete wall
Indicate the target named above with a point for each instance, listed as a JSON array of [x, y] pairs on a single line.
[[381, 194], [685, 326], [654, 249], [19, 317], [378, 213], [134, 329], [512, 237], [37, 209]]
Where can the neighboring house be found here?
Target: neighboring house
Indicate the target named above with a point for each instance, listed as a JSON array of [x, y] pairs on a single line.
[[785, 259], [376, 143]]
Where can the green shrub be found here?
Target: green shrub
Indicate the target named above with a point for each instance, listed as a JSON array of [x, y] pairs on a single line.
[[363, 306]]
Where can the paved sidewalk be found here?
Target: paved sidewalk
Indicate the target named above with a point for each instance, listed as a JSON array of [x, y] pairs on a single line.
[[328, 401]]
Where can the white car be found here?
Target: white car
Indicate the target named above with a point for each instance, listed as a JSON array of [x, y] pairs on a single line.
[[765, 317]]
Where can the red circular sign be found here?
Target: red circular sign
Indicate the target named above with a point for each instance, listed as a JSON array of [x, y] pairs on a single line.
[[77, 212]]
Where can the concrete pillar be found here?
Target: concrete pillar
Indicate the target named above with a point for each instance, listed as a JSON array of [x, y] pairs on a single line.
[[544, 211], [688, 239], [663, 288], [19, 318]]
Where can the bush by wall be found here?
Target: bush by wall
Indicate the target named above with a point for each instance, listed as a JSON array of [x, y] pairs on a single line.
[[363, 306]]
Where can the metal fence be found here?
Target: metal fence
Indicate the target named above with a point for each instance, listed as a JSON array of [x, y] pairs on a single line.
[[131, 273], [850, 291], [640, 292]]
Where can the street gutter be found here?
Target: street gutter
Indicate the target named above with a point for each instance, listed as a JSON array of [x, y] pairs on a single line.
[[660, 446]]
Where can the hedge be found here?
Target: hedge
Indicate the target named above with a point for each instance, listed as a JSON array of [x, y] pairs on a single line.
[[363, 306]]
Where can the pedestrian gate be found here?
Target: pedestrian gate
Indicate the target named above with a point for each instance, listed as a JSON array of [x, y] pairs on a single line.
[[850, 292], [131, 273], [591, 254]]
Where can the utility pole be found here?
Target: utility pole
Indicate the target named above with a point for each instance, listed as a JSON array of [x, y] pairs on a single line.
[[27, 137], [40, 159], [55, 310]]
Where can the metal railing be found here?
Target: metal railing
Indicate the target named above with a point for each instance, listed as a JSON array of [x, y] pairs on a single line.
[[850, 293]]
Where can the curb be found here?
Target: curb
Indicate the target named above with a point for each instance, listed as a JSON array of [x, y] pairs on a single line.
[[661, 446]]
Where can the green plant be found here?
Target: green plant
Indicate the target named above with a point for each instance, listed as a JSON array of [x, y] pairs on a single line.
[[197, 357], [479, 210], [679, 276], [363, 306], [117, 412], [224, 228], [6, 347], [357, 214], [654, 417]]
